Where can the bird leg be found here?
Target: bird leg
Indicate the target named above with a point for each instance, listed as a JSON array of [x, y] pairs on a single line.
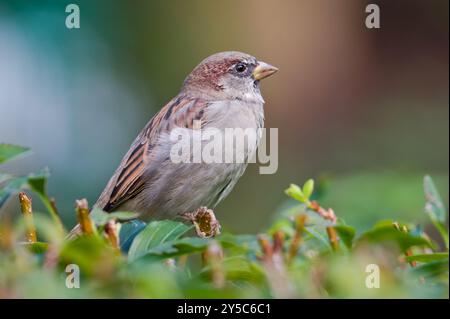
[[205, 222]]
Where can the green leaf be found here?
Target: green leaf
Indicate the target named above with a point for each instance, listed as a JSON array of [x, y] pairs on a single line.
[[179, 247], [432, 269], [15, 184], [45, 228], [240, 268], [426, 258], [308, 188], [38, 183], [295, 192], [435, 208], [283, 224], [12, 186], [318, 236], [346, 234], [156, 233], [128, 231], [38, 247], [385, 233], [90, 253], [101, 218], [289, 210], [244, 243], [9, 152], [4, 177], [437, 211]]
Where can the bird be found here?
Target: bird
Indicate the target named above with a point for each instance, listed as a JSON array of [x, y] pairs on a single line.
[[222, 91]]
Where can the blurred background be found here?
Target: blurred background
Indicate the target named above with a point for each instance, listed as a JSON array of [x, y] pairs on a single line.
[[363, 111]]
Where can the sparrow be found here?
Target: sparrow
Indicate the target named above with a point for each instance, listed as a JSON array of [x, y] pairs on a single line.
[[223, 91]]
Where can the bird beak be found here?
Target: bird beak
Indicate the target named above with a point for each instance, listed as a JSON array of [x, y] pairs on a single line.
[[263, 70]]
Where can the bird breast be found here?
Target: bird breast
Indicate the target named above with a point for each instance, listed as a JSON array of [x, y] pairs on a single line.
[[176, 188]]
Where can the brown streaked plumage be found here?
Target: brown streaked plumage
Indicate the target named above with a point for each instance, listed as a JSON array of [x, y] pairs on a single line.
[[222, 92], [127, 181]]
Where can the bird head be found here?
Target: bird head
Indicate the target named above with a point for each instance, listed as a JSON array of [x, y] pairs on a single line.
[[229, 75]]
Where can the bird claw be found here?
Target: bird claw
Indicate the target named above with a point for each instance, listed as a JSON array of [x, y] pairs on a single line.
[[205, 222]]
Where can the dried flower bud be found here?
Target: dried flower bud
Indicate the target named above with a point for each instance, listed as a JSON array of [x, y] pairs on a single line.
[[205, 222]]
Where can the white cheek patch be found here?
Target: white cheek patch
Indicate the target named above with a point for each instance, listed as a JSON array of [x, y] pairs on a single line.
[[253, 96], [241, 90]]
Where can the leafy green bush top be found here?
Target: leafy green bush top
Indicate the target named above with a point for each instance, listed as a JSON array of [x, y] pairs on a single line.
[[307, 253]]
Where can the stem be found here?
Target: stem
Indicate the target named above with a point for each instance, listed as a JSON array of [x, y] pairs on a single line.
[[86, 225], [112, 235], [27, 212], [332, 235], [6, 235], [325, 213], [278, 242], [214, 257], [53, 205], [50, 205], [408, 252], [266, 247], [274, 266], [297, 239]]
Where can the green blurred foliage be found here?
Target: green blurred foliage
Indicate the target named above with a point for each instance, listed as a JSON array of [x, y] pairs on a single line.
[[348, 101], [364, 112], [301, 255]]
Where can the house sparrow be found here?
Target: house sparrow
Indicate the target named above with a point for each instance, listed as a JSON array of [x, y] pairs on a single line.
[[221, 92]]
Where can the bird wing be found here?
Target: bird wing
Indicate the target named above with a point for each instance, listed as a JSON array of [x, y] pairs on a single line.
[[128, 180]]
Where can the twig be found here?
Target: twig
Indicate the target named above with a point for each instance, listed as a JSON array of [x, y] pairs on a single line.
[[51, 257], [266, 247], [86, 225], [27, 212], [213, 257], [112, 235], [325, 213], [278, 242], [332, 236], [297, 239], [274, 266], [53, 205], [6, 235]]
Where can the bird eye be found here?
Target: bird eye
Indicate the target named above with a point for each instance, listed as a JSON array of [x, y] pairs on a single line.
[[240, 67]]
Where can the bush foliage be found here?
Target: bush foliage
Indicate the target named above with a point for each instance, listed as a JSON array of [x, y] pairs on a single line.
[[307, 252]]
